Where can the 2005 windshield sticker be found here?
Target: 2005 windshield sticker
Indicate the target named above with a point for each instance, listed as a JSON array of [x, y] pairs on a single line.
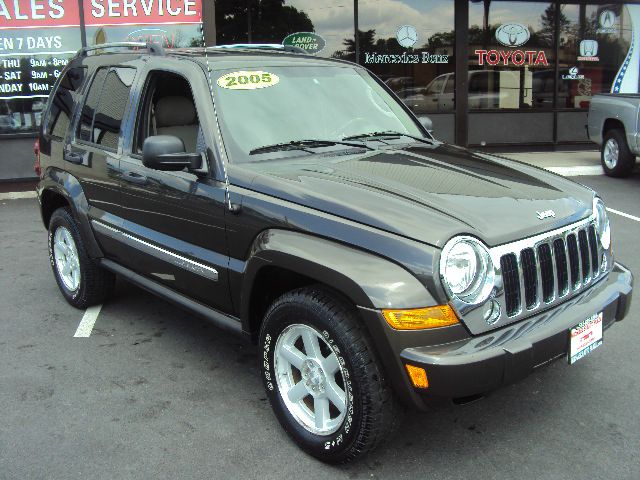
[[248, 80]]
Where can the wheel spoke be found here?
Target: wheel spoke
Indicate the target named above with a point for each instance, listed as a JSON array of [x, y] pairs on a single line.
[[311, 345], [331, 364], [336, 395], [321, 411], [297, 392], [294, 356]]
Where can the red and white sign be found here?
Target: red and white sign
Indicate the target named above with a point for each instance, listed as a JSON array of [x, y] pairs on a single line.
[[141, 12], [39, 13], [513, 57]]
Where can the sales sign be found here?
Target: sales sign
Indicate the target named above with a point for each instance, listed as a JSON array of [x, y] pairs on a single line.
[[37, 37]]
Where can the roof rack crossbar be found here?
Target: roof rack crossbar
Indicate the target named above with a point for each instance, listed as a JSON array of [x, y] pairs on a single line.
[[152, 48], [259, 46]]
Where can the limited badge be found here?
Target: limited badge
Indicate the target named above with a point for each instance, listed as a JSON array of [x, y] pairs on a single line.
[[248, 80]]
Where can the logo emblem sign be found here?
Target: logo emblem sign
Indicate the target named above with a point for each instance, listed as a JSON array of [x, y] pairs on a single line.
[[407, 36], [512, 34], [546, 214], [308, 41], [607, 20], [573, 74], [588, 51]]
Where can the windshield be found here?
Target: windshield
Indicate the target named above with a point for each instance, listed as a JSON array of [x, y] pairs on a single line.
[[277, 105]]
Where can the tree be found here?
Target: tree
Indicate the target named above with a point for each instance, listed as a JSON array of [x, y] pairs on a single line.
[[270, 21]]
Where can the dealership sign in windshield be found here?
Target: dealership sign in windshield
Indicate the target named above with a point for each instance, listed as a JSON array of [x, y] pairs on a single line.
[[512, 35]]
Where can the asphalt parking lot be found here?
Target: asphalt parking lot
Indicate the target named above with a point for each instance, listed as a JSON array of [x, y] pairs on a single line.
[[157, 393]]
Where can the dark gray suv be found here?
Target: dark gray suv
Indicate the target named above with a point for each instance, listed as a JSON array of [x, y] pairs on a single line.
[[296, 201]]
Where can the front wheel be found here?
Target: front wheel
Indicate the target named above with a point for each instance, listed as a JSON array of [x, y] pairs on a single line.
[[322, 378], [617, 159]]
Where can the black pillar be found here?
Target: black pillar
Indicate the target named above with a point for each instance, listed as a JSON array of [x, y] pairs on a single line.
[[461, 25], [356, 38]]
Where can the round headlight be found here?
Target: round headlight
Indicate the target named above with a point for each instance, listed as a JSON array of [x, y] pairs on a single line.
[[467, 270], [602, 223]]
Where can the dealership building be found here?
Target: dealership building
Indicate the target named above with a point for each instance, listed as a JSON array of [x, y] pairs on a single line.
[[488, 73]]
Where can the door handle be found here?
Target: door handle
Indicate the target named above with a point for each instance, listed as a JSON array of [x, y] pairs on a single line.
[[73, 157], [133, 177]]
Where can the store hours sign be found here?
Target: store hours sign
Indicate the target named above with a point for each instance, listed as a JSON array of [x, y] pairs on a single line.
[[37, 38]]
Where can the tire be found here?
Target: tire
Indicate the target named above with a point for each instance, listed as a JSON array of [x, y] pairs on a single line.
[[80, 279], [617, 160], [369, 410]]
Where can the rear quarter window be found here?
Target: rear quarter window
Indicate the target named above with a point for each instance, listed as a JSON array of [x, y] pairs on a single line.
[[62, 104], [105, 105]]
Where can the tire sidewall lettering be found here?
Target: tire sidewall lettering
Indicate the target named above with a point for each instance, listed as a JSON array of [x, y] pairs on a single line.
[[347, 431]]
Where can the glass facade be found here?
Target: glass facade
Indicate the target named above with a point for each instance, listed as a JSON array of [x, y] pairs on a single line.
[[38, 37], [530, 67]]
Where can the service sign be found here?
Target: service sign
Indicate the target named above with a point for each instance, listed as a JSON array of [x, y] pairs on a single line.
[[308, 41], [142, 12]]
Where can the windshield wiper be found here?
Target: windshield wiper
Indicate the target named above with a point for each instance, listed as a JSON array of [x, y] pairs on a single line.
[[304, 145], [387, 133]]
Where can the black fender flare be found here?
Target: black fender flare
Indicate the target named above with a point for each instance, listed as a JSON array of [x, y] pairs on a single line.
[[367, 279], [66, 185]]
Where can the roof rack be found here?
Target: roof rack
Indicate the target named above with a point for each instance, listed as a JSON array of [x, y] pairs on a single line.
[[259, 46], [152, 48]]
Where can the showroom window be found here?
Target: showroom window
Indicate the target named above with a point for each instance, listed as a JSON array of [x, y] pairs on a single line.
[[511, 55], [594, 41], [33, 53], [323, 28], [409, 45]]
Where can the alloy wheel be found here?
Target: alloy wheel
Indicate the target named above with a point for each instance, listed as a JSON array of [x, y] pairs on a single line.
[[311, 379], [65, 256], [611, 153]]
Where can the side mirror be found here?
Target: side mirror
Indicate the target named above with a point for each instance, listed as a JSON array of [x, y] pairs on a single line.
[[166, 152], [427, 124]]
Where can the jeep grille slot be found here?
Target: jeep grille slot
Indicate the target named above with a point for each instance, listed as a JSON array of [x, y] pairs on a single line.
[[530, 277], [544, 271], [593, 245], [584, 256], [509, 266], [561, 266], [574, 260]]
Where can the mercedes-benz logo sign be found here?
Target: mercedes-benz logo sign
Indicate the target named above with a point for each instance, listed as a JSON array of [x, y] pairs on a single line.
[[512, 34], [607, 19], [407, 36]]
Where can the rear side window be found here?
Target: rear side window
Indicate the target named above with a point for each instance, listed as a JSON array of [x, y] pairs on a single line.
[[105, 105], [63, 102]]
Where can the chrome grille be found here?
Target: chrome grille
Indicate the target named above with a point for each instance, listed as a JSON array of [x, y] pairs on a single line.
[[552, 268]]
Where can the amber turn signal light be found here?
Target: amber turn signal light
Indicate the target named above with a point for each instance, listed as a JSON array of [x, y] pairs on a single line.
[[418, 376], [421, 318]]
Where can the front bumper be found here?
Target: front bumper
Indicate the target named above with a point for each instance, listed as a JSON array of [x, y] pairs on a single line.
[[472, 365]]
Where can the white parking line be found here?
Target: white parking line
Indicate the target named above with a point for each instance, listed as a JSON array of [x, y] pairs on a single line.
[[17, 195], [88, 321], [622, 214]]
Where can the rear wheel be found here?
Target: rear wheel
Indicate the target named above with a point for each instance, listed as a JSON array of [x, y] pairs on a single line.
[[322, 378], [80, 279], [617, 159]]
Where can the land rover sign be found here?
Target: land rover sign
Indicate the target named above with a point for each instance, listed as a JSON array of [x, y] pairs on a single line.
[[308, 41]]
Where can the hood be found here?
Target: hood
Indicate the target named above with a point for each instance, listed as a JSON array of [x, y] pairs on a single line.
[[428, 193]]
